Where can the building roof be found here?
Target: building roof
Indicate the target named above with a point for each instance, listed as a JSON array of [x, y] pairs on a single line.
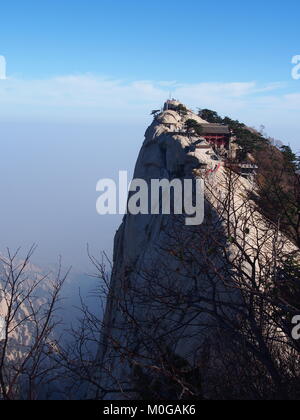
[[216, 129]]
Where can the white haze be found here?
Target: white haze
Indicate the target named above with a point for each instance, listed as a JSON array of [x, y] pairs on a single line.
[[59, 136]]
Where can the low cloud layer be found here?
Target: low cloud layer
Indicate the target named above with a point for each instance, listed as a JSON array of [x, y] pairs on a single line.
[[90, 98]]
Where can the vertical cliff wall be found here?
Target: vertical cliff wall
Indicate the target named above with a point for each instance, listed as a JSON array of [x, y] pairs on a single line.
[[161, 265], [144, 261]]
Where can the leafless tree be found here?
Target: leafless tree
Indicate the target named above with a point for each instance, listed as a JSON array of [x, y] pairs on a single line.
[[279, 192], [209, 317], [28, 307]]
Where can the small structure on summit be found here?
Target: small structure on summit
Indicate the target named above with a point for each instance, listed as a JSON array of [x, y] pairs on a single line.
[[172, 104]]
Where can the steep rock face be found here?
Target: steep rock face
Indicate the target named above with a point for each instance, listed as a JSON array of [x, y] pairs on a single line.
[[140, 248], [163, 155], [144, 312]]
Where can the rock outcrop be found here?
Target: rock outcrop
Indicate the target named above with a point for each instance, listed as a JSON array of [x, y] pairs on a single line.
[[150, 260]]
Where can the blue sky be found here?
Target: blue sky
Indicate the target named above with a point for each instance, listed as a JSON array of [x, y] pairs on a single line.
[[80, 60], [83, 77], [189, 41]]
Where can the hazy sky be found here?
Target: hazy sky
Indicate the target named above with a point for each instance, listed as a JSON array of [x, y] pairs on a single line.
[[83, 77]]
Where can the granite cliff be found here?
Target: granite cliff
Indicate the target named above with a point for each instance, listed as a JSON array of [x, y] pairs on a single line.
[[176, 290]]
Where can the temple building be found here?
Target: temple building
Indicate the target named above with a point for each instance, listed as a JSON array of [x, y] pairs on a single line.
[[217, 134]]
